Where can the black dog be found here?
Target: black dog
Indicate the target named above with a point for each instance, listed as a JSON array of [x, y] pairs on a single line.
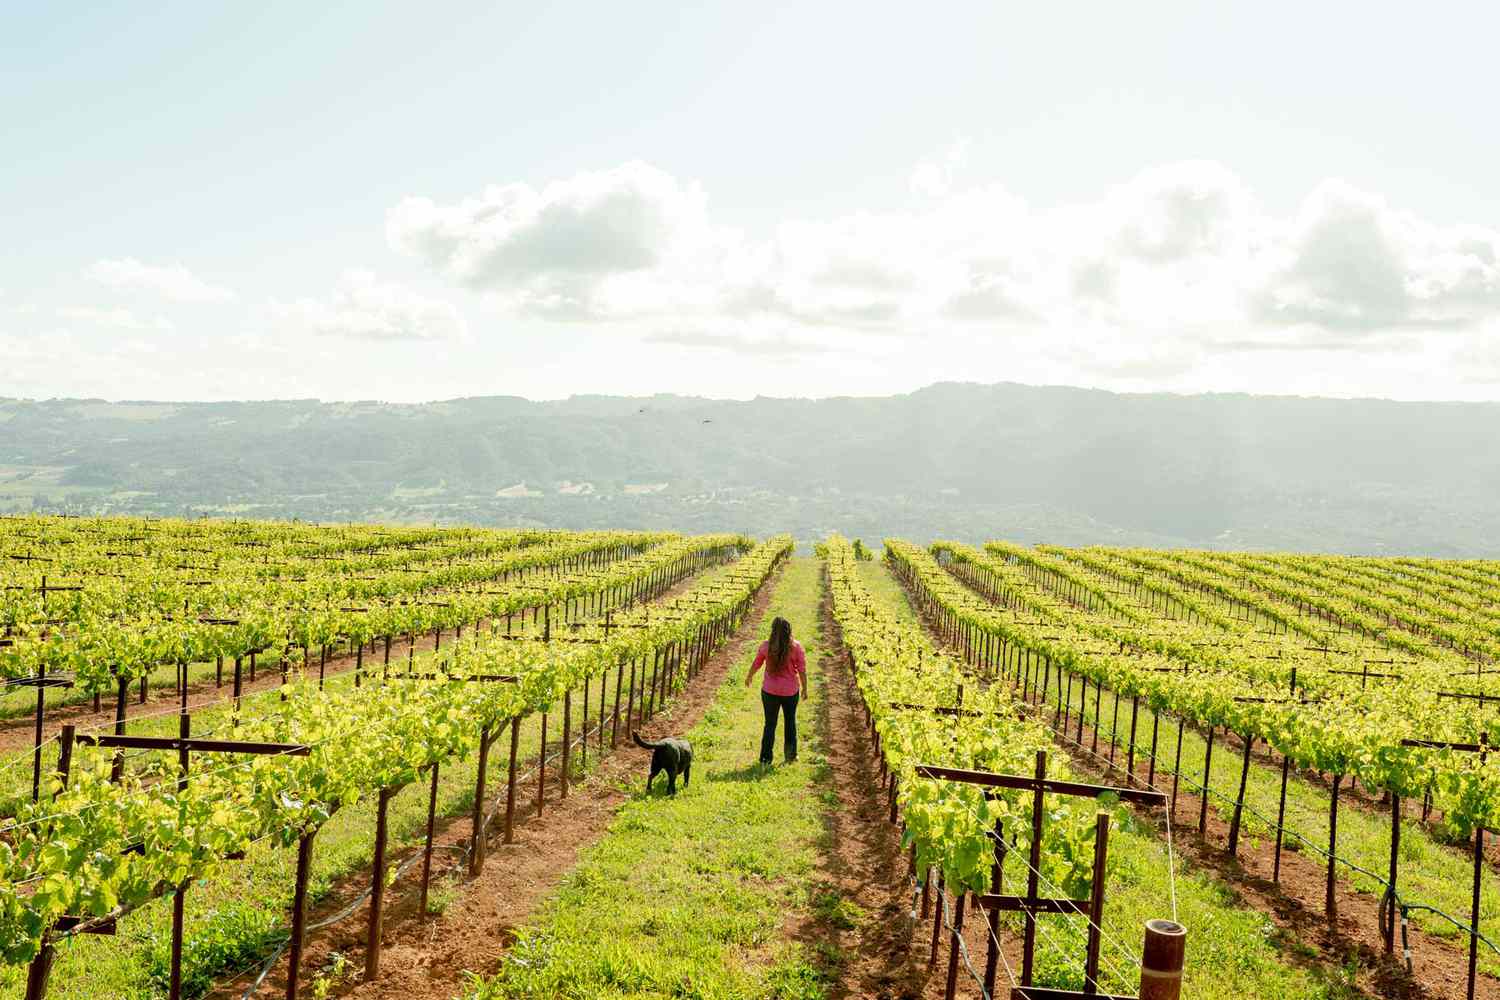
[[672, 755]]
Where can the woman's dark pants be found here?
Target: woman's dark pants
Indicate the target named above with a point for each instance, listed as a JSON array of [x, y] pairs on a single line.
[[774, 703]]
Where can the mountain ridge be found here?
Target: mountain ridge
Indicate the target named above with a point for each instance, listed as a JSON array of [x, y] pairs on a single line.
[[1060, 464]]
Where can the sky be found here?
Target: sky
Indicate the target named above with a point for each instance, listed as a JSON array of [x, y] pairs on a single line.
[[410, 202]]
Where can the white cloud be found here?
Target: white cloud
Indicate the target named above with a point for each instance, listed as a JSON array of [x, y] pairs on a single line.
[[1165, 272], [1349, 261], [576, 247], [114, 318], [362, 306], [933, 177], [171, 281]]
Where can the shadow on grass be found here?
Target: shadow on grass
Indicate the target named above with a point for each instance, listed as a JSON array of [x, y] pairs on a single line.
[[750, 772]]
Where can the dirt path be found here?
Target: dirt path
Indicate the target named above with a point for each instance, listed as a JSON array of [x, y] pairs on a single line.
[[885, 956], [427, 958]]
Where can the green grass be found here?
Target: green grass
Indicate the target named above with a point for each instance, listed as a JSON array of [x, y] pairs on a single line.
[[690, 896], [1233, 950]]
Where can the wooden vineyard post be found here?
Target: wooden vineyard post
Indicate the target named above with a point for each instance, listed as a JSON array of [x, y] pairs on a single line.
[[956, 936], [1155, 724], [1286, 768], [1034, 864], [377, 887], [427, 849], [1083, 702], [992, 914], [1176, 767], [179, 898], [567, 739], [603, 685], [117, 767], [1395, 906], [937, 919], [614, 727], [1161, 960], [299, 913], [1114, 726], [583, 743], [1098, 707], [1096, 903], [41, 682], [1208, 763], [1032, 905], [1474, 910], [476, 843], [1330, 898], [510, 783], [541, 770], [1239, 802]]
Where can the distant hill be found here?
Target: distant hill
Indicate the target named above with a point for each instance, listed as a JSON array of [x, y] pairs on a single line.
[[967, 461]]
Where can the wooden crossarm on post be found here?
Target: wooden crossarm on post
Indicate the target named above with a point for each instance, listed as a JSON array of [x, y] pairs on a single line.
[[1446, 745], [177, 744], [1481, 697], [497, 678], [1024, 904], [1051, 785], [47, 681]]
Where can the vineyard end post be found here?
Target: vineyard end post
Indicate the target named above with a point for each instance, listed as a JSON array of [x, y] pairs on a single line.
[[1161, 960]]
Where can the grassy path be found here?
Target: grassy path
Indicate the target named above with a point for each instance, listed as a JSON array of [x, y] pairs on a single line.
[[1233, 950], [697, 895]]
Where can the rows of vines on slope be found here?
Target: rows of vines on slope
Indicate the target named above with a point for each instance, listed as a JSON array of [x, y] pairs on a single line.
[[67, 855], [105, 650], [1345, 731], [899, 673]]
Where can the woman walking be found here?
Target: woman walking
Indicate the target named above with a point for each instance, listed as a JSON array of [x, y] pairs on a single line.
[[786, 677]]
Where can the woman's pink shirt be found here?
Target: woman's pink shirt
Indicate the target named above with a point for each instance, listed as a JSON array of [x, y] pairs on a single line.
[[789, 680]]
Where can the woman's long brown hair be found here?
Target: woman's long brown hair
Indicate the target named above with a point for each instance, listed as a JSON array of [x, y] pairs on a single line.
[[780, 646]]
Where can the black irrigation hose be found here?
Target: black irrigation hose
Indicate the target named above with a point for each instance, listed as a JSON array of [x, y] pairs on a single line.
[[354, 904]]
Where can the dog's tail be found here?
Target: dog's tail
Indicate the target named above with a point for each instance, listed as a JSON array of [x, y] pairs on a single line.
[[643, 744]]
